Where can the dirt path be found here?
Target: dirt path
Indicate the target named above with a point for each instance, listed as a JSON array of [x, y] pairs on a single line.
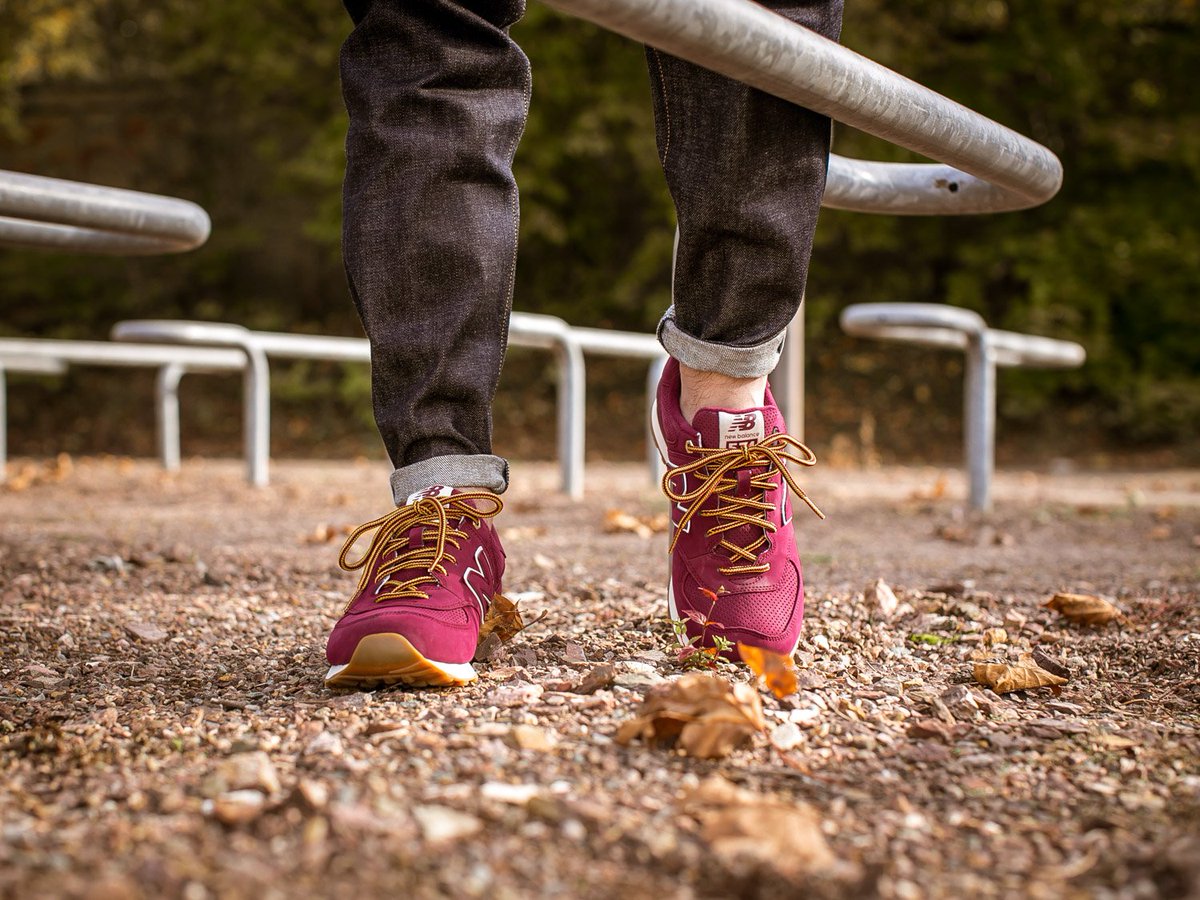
[[163, 647]]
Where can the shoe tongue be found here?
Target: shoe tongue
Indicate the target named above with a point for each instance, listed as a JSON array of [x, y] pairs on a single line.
[[434, 490], [416, 534], [731, 428]]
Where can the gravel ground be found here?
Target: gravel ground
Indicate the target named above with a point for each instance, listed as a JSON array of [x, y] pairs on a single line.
[[164, 730]]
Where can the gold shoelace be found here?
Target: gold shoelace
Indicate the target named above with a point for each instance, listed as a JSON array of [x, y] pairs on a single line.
[[712, 470], [438, 516]]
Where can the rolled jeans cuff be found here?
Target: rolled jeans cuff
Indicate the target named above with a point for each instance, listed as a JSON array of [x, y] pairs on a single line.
[[477, 470], [736, 362]]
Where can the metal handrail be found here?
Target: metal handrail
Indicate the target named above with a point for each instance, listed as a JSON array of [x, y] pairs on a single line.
[[953, 328], [525, 329], [51, 357], [50, 213], [993, 167]]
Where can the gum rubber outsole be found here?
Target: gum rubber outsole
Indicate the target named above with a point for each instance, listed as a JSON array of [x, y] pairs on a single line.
[[387, 659]]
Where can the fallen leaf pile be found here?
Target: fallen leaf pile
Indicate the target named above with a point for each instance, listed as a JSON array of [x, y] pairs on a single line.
[[777, 671], [54, 471], [1083, 609], [1003, 677], [703, 715], [754, 831], [617, 520]]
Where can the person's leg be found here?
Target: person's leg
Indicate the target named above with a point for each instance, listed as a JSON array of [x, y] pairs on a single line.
[[437, 94], [746, 171]]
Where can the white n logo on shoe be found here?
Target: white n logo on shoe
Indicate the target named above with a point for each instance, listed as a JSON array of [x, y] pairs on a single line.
[[477, 569]]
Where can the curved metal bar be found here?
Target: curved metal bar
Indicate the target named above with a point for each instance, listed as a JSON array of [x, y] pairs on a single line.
[[256, 377], [750, 43], [50, 212], [951, 328], [913, 189]]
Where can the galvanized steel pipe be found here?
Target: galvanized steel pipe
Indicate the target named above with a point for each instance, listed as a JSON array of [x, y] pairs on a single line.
[[994, 167], [36, 211]]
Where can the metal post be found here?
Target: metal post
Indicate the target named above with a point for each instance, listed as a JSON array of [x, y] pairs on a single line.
[[166, 393], [787, 381], [979, 406], [257, 389], [572, 410], [3, 427], [653, 458]]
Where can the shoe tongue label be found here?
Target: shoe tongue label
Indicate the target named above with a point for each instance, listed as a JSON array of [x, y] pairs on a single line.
[[434, 490], [740, 429]]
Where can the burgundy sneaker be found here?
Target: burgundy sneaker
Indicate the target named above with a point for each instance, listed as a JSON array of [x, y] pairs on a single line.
[[427, 580], [734, 567]]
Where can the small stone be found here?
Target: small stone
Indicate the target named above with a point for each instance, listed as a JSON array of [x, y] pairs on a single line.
[[638, 679], [880, 599], [247, 771], [573, 830], [238, 807], [313, 793], [109, 564], [806, 715], [146, 632], [637, 668], [516, 794], [517, 693], [786, 736], [808, 680], [439, 824], [960, 700], [573, 654], [529, 737], [600, 677], [324, 744]]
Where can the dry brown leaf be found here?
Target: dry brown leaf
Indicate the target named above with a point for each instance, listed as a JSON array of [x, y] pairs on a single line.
[[1002, 678], [995, 636], [704, 715], [1083, 608], [756, 831], [778, 672], [326, 533], [617, 520], [503, 619]]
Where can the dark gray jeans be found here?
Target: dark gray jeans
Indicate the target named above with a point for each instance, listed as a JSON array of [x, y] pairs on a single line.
[[437, 93]]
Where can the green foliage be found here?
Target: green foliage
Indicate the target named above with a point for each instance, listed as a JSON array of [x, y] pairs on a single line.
[[236, 105]]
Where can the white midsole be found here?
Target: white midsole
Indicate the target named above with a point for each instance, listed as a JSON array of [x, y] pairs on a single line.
[[459, 671]]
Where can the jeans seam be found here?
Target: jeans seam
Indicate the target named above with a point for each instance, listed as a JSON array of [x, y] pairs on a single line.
[[662, 80], [513, 203]]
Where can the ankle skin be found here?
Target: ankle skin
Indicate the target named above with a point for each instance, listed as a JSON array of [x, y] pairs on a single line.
[[699, 389]]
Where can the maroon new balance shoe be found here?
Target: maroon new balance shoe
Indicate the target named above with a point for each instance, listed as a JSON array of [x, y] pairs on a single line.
[[734, 567], [427, 581]]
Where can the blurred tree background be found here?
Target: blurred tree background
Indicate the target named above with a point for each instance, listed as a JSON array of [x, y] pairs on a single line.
[[236, 105]]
